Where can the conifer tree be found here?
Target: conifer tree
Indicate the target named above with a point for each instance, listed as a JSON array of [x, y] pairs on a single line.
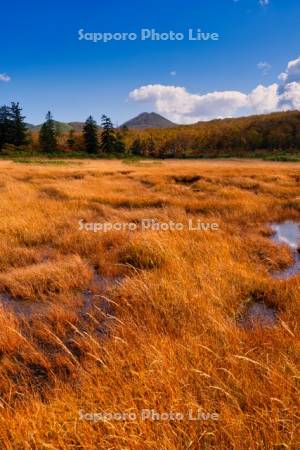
[[18, 127], [47, 138], [119, 143], [136, 147], [90, 135], [108, 136], [5, 126]]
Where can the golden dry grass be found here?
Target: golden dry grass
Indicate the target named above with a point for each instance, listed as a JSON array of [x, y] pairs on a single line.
[[166, 337]]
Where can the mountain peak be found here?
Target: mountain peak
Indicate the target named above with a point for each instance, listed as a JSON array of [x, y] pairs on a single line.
[[149, 120]]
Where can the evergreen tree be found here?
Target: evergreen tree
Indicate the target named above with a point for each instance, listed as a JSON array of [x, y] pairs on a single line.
[[13, 130], [18, 127], [136, 147], [5, 126], [108, 136], [90, 135], [47, 138], [119, 143]]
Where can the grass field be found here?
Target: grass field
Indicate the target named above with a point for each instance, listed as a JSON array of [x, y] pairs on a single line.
[[122, 321]]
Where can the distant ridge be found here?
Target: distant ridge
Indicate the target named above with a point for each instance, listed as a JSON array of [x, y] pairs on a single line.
[[62, 127], [29, 126], [149, 120], [76, 126], [153, 120]]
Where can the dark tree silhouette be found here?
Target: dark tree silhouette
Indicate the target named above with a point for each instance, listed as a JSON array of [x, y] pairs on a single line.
[[90, 135], [108, 136], [5, 126], [47, 138], [13, 130], [136, 147], [18, 127]]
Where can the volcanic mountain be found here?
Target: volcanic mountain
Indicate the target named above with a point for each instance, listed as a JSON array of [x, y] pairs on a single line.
[[149, 120]]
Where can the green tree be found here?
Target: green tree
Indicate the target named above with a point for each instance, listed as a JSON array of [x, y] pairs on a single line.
[[90, 135], [18, 127], [47, 138], [108, 136], [120, 146], [5, 126], [136, 147]]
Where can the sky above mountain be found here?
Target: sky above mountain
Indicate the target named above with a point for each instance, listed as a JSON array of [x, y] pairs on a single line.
[[188, 61]]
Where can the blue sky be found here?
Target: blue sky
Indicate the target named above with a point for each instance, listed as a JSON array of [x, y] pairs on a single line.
[[44, 65]]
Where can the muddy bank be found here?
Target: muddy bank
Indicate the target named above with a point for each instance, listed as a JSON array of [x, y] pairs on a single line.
[[258, 313], [94, 296], [288, 233]]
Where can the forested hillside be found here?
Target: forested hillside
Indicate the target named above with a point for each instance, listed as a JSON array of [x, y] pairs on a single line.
[[277, 131], [263, 135]]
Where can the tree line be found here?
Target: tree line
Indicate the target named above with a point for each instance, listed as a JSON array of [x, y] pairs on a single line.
[[93, 142], [268, 133], [231, 137], [13, 130], [15, 135]]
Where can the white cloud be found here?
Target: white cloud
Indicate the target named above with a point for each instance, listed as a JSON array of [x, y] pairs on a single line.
[[181, 106], [290, 97], [264, 2], [173, 73], [263, 99], [4, 77], [292, 72], [265, 67], [289, 91], [282, 76]]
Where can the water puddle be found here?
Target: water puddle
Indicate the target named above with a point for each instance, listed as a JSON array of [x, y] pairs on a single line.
[[24, 308], [258, 314], [288, 233], [94, 296]]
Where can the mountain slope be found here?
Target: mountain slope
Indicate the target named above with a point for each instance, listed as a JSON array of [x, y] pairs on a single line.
[[149, 120], [29, 126], [61, 127], [76, 126]]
